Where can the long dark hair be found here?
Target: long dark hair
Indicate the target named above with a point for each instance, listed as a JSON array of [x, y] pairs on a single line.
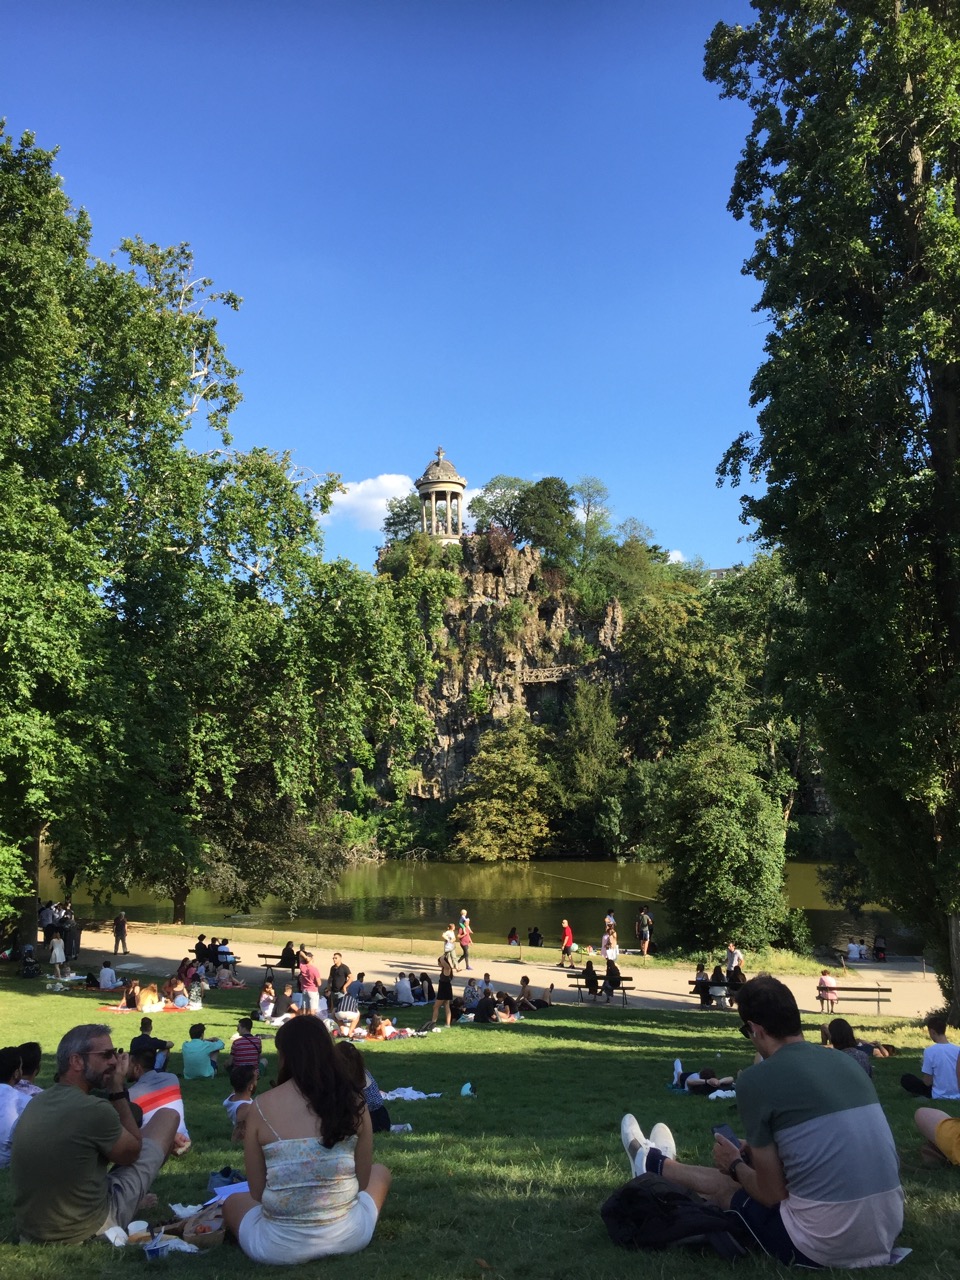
[[309, 1059], [841, 1034]]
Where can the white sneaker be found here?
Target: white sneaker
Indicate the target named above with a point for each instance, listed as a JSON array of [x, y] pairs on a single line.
[[634, 1143], [662, 1139], [677, 1071]]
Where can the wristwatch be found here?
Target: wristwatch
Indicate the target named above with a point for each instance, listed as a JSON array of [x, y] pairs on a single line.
[[739, 1160], [115, 1097]]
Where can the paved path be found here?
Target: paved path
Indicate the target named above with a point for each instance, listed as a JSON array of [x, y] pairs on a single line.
[[913, 993]]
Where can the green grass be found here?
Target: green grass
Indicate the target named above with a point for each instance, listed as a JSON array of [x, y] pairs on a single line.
[[505, 1185]]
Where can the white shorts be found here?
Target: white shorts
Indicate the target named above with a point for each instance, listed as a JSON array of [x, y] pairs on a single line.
[[275, 1241]]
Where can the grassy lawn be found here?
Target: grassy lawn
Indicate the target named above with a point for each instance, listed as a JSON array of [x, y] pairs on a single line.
[[506, 1184]]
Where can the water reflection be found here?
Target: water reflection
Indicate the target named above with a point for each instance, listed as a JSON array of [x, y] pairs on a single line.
[[417, 899]]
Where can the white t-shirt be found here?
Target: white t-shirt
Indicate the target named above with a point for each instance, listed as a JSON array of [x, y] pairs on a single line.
[[12, 1103], [940, 1062], [402, 991], [853, 951], [108, 978]]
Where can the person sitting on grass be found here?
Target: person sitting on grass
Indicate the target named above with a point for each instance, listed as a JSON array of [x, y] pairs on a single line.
[[267, 1001], [243, 1082], [108, 976], [942, 1133], [506, 1007], [525, 995], [200, 1056], [427, 987], [402, 991], [471, 995], [13, 1101], [940, 1070], [227, 979], [147, 1040], [486, 1010], [80, 1164], [314, 1189], [31, 1056], [246, 1049], [152, 1089], [149, 999], [791, 1182], [377, 1107]]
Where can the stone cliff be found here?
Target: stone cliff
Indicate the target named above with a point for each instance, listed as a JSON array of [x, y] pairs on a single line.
[[512, 639]]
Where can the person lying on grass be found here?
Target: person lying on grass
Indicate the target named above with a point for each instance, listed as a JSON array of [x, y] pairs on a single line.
[[308, 1152], [791, 1181], [871, 1047]]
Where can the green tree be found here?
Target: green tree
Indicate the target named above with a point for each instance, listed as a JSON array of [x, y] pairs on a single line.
[[403, 516], [494, 507], [500, 813], [850, 177], [721, 834], [543, 516], [590, 773]]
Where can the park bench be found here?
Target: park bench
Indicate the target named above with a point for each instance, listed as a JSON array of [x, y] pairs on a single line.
[[577, 982], [877, 993], [270, 960], [694, 991]]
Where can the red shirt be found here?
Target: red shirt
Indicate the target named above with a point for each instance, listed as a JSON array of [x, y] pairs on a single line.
[[567, 937], [245, 1050]]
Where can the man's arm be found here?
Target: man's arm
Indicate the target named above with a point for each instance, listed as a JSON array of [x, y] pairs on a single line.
[[762, 1179], [127, 1147]]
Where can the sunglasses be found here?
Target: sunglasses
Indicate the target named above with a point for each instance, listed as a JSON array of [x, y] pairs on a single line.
[[101, 1053], [745, 1030]]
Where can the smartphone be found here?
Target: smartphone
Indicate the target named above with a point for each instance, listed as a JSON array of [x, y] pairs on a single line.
[[725, 1131]]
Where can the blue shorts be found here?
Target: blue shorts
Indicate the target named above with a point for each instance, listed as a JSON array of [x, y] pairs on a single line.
[[766, 1226]]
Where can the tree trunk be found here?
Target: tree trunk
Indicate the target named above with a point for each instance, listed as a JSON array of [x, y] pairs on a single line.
[[27, 904], [180, 904], [953, 935]]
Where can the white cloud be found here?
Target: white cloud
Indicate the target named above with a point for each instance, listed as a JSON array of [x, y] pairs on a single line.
[[676, 557], [364, 504]]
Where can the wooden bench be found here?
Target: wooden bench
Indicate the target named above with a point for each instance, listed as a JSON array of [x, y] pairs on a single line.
[[878, 994], [582, 990], [694, 991], [268, 961]]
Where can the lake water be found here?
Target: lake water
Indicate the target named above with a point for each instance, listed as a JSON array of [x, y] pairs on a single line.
[[416, 899]]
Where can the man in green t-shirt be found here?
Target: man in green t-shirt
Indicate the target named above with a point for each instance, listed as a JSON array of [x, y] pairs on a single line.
[[65, 1190], [817, 1179]]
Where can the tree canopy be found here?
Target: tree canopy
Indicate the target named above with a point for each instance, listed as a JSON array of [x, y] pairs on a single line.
[[850, 177]]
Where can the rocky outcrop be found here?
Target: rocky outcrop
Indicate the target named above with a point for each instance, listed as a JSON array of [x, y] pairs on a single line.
[[512, 639]]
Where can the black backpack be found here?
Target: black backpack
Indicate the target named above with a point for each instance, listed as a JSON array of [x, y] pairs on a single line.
[[651, 1212]]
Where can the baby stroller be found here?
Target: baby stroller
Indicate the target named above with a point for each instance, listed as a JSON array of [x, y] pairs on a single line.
[[29, 966]]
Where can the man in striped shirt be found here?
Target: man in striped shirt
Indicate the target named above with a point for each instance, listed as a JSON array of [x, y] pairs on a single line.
[[151, 1090], [804, 1109]]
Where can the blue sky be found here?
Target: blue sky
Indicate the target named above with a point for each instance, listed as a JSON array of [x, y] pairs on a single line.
[[498, 226]]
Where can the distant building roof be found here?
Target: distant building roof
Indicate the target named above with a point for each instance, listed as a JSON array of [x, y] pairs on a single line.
[[440, 470]]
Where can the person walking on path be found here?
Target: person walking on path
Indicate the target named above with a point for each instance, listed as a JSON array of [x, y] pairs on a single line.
[[465, 938], [120, 933], [566, 944]]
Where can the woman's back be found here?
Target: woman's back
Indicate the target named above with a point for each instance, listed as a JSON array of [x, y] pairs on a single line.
[[305, 1181]]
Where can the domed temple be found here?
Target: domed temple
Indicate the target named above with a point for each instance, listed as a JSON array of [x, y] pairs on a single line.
[[441, 492]]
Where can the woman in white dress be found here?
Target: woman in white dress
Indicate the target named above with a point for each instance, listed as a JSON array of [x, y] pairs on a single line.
[[314, 1189], [58, 954]]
